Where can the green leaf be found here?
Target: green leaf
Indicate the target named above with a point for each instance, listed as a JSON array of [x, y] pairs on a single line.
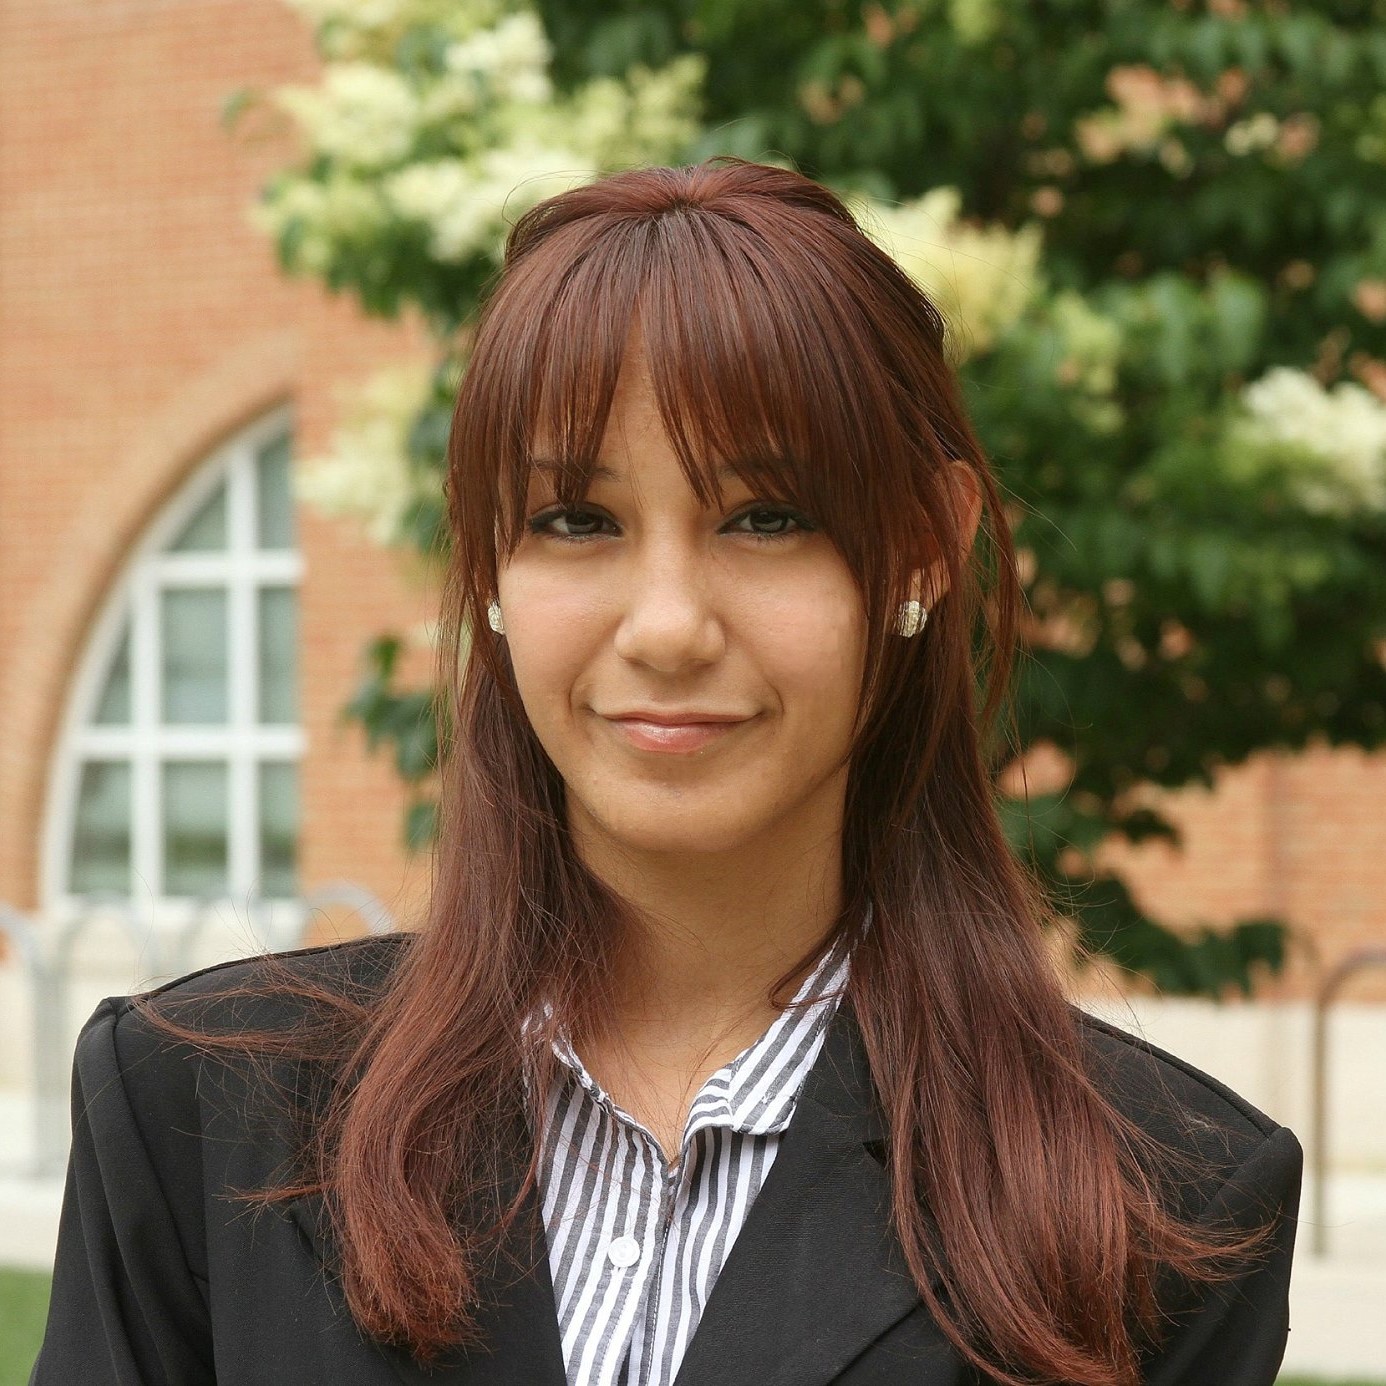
[[420, 825]]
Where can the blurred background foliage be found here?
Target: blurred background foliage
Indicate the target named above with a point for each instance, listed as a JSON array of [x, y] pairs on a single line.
[[1158, 232]]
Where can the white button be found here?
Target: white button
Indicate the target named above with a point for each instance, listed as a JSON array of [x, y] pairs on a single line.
[[623, 1252]]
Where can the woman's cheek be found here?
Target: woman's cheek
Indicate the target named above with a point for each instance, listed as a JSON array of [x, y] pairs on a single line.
[[822, 649]]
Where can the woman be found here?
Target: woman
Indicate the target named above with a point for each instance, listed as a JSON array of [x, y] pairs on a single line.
[[730, 1050]]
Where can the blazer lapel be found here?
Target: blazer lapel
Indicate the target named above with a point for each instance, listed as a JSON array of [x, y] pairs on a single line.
[[815, 1274]]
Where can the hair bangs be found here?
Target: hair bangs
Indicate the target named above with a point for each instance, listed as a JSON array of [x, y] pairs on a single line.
[[760, 361], [763, 361], [579, 326]]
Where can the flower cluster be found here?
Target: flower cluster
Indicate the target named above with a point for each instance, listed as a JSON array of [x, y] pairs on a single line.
[[467, 204], [447, 149], [1147, 108], [366, 475], [1288, 140], [982, 278], [1333, 440], [1150, 109], [361, 116], [974, 21], [1091, 347]]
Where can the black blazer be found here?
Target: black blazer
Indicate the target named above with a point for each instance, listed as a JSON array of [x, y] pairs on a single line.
[[164, 1279]]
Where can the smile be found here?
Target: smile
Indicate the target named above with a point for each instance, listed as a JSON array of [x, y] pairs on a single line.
[[673, 737]]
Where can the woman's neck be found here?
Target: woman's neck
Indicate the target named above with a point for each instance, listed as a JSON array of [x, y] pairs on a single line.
[[692, 991], [715, 934]]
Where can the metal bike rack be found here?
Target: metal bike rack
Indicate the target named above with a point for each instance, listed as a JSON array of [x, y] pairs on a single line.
[[48, 1071], [377, 919], [1355, 962], [45, 955]]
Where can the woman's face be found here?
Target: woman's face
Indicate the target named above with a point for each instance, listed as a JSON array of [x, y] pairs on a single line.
[[692, 673]]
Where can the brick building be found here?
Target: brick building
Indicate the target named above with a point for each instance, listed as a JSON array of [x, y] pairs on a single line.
[[156, 375], [178, 641]]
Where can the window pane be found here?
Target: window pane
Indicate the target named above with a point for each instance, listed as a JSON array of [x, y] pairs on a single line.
[[114, 706], [274, 502], [195, 828], [193, 623], [279, 830], [278, 654], [206, 531], [101, 839]]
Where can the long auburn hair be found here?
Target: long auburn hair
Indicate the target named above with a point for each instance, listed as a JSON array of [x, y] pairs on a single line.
[[777, 334]]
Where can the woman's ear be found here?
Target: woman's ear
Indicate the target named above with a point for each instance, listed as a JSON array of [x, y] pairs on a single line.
[[930, 584]]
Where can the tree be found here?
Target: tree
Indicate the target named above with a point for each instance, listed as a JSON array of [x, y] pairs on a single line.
[[1157, 232]]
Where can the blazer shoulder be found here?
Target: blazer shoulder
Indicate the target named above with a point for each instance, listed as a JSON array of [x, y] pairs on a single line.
[[135, 1041], [1187, 1111], [356, 962], [269, 989]]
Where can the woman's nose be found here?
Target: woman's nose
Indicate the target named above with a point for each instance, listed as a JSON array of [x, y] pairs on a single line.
[[670, 620]]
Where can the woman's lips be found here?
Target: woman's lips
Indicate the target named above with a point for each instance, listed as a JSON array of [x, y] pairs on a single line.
[[672, 738]]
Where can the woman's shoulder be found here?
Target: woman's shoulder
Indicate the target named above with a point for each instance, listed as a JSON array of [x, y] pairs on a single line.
[[366, 962], [157, 1046], [268, 990], [1187, 1110]]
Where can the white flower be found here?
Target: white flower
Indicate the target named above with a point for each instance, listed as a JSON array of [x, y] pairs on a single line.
[[974, 21], [361, 14], [357, 26], [468, 205], [452, 96], [1091, 343], [366, 474], [325, 215], [363, 115], [646, 116], [1089, 347], [443, 195], [1340, 435], [517, 176], [512, 57], [982, 278], [1255, 132]]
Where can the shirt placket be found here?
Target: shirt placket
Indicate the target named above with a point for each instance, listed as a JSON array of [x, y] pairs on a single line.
[[640, 1274], [675, 1185]]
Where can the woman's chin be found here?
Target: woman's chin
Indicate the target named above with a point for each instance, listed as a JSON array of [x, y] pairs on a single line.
[[685, 830]]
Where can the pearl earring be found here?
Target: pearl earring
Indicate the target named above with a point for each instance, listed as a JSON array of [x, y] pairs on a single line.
[[911, 618], [494, 618]]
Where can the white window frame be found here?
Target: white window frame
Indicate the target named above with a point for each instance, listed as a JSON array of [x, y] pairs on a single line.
[[145, 742]]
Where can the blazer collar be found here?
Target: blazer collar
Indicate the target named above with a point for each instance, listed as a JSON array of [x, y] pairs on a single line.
[[815, 1274]]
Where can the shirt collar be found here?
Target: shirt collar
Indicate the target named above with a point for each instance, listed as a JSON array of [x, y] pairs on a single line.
[[756, 1091]]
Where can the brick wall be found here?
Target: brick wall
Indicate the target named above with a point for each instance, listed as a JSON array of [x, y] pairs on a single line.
[[142, 319], [1298, 837]]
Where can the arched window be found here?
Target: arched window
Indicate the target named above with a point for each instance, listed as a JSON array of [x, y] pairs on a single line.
[[177, 773]]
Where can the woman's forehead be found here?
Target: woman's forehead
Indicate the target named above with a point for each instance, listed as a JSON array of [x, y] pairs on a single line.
[[633, 419]]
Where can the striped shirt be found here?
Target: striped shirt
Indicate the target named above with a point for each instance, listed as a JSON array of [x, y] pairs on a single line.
[[635, 1245]]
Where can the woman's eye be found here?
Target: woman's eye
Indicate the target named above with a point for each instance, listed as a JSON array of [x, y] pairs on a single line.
[[770, 522], [568, 523]]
